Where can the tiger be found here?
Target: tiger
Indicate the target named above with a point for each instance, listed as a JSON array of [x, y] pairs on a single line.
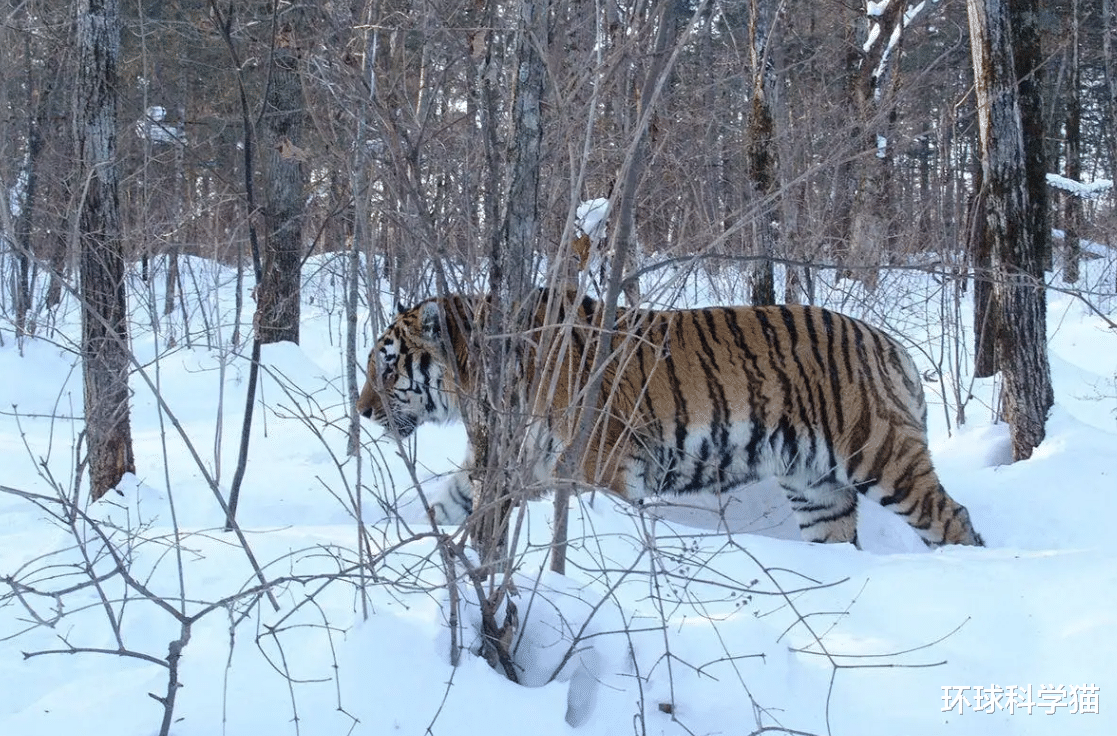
[[694, 400]]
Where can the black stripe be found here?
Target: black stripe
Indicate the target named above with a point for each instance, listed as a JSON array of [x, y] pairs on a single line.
[[835, 348], [809, 406], [674, 337], [719, 429], [754, 377]]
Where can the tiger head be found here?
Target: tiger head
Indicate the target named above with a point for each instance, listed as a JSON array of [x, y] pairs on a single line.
[[410, 380]]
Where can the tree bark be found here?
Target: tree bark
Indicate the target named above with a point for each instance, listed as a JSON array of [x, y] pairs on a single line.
[[1109, 29], [360, 184], [876, 113], [761, 157], [496, 414], [1072, 203], [981, 260], [525, 141], [1007, 148], [277, 298], [38, 100], [495, 418], [1028, 63], [104, 310], [844, 183]]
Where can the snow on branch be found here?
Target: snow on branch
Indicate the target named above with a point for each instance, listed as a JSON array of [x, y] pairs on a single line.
[[153, 126], [591, 218], [876, 12], [1083, 190]]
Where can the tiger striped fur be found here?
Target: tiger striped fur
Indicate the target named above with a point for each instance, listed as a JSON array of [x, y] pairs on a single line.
[[699, 400]]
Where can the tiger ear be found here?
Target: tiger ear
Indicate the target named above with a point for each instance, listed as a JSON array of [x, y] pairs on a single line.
[[430, 320]]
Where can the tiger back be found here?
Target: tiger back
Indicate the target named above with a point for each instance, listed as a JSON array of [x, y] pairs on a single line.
[[701, 400]]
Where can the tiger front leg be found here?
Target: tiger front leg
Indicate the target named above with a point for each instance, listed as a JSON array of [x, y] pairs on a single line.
[[451, 499]]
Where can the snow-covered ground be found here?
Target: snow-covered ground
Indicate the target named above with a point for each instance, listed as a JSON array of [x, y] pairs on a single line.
[[672, 624]]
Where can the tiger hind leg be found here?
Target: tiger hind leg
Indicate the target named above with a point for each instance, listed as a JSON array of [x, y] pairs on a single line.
[[826, 510], [919, 498]]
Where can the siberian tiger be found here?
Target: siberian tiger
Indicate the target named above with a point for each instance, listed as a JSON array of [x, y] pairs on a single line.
[[698, 400]]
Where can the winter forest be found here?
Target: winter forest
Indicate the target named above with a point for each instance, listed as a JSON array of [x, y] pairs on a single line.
[[211, 210]]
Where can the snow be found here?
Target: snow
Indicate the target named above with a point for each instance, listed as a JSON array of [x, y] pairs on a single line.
[[1084, 190], [871, 39], [591, 217], [152, 127], [875, 9], [670, 621], [912, 12]]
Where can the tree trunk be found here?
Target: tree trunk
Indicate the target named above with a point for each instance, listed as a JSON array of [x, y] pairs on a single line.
[[1028, 63], [277, 298], [360, 184], [761, 158], [525, 142], [38, 102], [844, 183], [36, 115], [181, 182], [875, 110], [981, 260], [104, 311], [497, 412], [1072, 203], [626, 240], [496, 417], [1017, 247], [1109, 29]]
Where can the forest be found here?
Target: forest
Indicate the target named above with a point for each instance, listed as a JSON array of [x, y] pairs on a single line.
[[184, 176], [450, 147]]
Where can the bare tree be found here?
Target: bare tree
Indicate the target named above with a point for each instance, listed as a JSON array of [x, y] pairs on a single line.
[[105, 346], [32, 90], [980, 252], [496, 416], [277, 297], [1017, 246], [875, 111], [1028, 61], [760, 149], [1109, 29], [511, 255], [1072, 202], [38, 101]]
